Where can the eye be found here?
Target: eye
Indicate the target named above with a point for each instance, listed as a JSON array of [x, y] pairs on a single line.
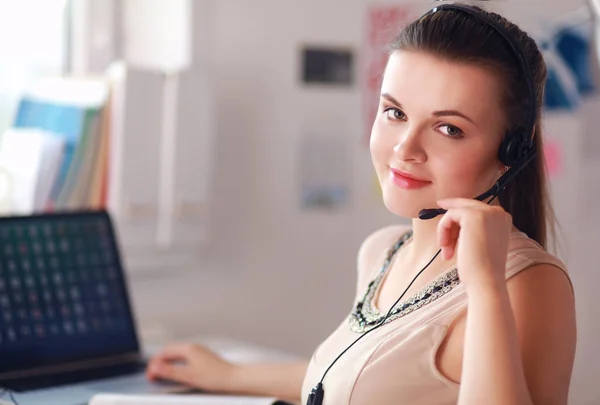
[[451, 130], [394, 113]]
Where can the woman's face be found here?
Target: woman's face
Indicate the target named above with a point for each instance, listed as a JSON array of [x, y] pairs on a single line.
[[439, 122]]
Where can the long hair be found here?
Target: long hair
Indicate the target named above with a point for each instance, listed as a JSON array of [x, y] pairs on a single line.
[[458, 37]]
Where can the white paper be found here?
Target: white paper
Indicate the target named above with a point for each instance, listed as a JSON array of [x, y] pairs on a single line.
[[80, 92], [20, 155], [31, 158], [52, 155], [114, 399]]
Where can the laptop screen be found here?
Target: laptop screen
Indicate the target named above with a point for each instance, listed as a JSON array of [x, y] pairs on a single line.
[[63, 295]]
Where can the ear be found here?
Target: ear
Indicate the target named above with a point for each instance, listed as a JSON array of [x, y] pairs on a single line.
[[502, 168]]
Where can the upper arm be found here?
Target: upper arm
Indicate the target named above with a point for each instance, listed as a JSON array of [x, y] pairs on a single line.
[[372, 253], [543, 306]]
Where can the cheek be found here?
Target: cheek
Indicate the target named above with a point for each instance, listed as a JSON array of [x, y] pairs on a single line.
[[464, 175], [381, 144]]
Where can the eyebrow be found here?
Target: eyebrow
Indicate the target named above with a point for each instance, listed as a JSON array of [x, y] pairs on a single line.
[[442, 113]]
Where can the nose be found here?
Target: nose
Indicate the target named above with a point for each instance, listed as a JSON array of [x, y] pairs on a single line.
[[409, 147]]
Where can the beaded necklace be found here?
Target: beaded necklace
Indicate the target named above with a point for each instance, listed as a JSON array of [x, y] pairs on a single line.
[[364, 316]]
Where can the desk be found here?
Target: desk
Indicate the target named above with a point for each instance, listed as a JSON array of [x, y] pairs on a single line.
[[231, 349]]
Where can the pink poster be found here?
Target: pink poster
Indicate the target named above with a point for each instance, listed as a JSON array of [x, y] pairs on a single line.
[[383, 23], [553, 158]]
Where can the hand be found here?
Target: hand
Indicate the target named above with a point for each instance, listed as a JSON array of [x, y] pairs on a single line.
[[192, 365], [478, 234]]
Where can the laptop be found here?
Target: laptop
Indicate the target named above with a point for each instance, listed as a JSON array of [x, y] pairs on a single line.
[[67, 330]]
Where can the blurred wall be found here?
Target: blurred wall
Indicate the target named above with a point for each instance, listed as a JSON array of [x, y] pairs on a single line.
[[270, 272]]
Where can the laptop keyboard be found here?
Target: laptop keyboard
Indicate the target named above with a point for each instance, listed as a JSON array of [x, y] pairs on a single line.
[[74, 377]]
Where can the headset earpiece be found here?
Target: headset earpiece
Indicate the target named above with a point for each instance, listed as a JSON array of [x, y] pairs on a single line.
[[513, 148]]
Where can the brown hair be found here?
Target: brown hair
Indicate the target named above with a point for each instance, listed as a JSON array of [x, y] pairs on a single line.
[[459, 37]]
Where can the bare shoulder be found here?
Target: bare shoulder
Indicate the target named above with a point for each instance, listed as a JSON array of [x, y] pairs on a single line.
[[373, 250], [543, 305], [543, 309]]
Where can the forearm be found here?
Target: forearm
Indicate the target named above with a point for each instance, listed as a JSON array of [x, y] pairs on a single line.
[[492, 367], [280, 380]]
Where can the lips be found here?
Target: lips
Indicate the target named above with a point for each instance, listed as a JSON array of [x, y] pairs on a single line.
[[409, 176], [407, 181]]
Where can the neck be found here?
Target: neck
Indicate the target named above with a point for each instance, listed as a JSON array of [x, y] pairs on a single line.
[[425, 238]]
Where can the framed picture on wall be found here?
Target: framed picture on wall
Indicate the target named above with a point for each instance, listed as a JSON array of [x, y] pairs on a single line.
[[322, 65]]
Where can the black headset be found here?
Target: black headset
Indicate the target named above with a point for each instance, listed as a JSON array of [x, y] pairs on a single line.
[[516, 151]]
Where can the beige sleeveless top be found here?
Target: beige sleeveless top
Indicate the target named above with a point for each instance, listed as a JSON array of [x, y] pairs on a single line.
[[395, 364]]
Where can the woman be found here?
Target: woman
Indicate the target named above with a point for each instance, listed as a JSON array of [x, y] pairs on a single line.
[[498, 330]]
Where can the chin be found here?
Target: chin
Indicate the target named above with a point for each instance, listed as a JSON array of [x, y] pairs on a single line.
[[405, 206]]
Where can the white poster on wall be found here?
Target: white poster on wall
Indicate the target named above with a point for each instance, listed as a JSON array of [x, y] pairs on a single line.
[[324, 170]]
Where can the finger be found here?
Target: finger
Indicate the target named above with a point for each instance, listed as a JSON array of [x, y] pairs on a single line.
[[447, 240], [181, 351], [152, 362], [448, 252], [448, 232], [451, 219], [449, 249], [453, 247], [155, 362], [153, 365], [166, 371]]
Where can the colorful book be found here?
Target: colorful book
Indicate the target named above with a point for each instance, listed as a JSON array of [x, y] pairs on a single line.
[[67, 108]]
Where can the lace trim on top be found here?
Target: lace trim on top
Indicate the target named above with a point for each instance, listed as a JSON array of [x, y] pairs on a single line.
[[365, 316]]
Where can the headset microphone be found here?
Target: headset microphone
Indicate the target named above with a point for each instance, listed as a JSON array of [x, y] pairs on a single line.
[[429, 213]]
